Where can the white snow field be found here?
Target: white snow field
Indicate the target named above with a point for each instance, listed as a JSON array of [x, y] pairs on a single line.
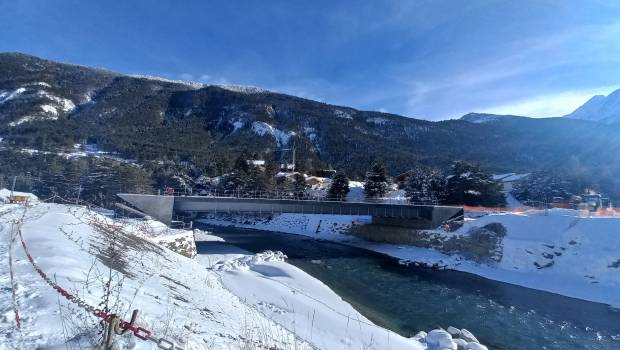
[[226, 300], [559, 251]]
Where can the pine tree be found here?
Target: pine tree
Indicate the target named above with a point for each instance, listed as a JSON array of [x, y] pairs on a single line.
[[339, 187], [425, 186], [299, 185], [376, 185], [469, 184]]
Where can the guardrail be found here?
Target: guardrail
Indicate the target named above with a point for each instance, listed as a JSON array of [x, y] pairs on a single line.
[[287, 195]]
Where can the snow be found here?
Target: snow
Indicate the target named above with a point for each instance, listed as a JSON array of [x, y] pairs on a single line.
[[64, 104], [225, 300], [377, 121], [6, 194], [41, 83], [30, 118], [89, 151], [342, 114], [509, 177], [7, 96], [237, 124], [356, 191], [246, 89], [187, 83], [170, 291], [512, 202], [559, 250], [599, 108], [49, 109], [282, 137]]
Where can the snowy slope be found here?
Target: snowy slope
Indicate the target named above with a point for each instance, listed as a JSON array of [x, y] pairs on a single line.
[[176, 296], [601, 108], [225, 301]]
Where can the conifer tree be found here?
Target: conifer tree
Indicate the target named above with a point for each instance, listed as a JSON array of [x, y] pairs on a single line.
[[339, 187], [469, 184], [425, 186], [299, 185], [376, 185]]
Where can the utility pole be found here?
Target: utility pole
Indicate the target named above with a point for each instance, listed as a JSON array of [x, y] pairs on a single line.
[[293, 158], [13, 187], [77, 200]]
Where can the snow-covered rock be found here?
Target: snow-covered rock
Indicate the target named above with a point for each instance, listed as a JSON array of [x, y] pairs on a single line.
[[468, 336], [438, 339], [247, 262], [455, 332]]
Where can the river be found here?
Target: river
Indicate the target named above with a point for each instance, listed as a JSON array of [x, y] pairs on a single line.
[[407, 299]]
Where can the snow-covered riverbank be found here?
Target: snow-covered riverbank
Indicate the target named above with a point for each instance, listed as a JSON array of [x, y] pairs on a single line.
[[557, 251], [220, 300]]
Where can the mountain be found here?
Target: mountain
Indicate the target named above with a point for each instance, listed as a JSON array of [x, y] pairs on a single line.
[[605, 109], [45, 105], [480, 118]]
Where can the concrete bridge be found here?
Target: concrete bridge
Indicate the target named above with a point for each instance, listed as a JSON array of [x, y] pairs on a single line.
[[164, 208]]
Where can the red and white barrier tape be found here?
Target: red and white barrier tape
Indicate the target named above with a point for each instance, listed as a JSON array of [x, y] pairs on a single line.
[[13, 285]]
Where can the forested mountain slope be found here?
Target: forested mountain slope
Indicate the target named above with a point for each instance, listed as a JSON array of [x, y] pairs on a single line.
[[49, 106]]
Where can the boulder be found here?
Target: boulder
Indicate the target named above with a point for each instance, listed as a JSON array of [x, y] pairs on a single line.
[[466, 335], [438, 339], [420, 336], [454, 332]]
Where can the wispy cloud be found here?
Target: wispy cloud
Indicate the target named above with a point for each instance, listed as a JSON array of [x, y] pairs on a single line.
[[551, 105]]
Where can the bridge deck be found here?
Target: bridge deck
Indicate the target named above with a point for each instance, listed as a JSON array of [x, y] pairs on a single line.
[[162, 207]]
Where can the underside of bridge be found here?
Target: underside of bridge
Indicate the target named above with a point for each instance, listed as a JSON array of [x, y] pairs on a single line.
[[165, 208]]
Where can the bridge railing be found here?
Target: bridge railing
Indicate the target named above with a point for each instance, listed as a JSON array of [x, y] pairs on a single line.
[[286, 195]]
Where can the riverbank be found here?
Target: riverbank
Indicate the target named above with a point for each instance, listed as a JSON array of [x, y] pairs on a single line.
[[225, 300], [290, 296], [556, 251]]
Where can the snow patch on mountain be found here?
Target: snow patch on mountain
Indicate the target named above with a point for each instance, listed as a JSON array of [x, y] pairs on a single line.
[[600, 108], [191, 84], [246, 89], [31, 118], [377, 121], [6, 96], [282, 137], [65, 104], [342, 114], [312, 135], [49, 109], [480, 118], [237, 124], [41, 83]]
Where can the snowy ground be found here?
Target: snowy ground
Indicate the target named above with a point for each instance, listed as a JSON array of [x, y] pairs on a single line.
[[558, 251], [225, 300]]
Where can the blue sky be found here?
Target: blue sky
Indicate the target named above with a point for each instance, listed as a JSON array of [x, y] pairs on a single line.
[[426, 59]]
